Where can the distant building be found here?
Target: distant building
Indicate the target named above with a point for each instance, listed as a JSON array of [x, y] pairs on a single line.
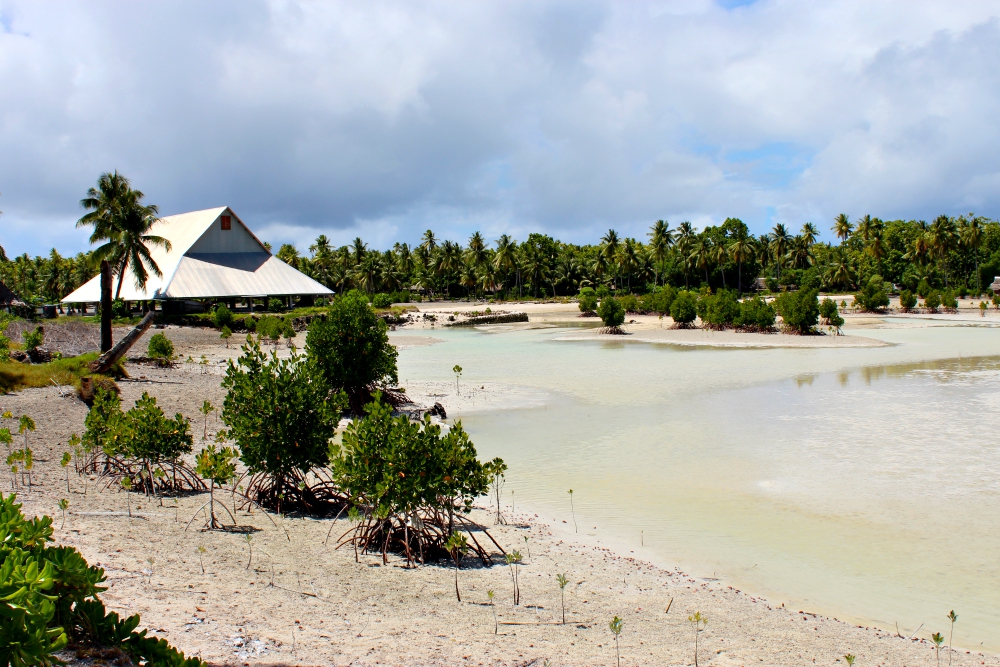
[[213, 255], [995, 285], [7, 297]]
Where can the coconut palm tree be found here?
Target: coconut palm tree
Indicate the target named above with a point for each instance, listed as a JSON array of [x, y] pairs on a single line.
[[809, 233], [661, 239], [800, 254], [128, 240], [701, 256], [838, 271], [943, 238], [505, 260], [971, 233], [842, 227], [477, 250], [780, 240], [428, 241], [103, 202], [628, 260], [741, 250], [685, 239], [610, 247], [865, 227], [720, 256]]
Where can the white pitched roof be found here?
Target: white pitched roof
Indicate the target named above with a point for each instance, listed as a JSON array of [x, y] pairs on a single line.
[[189, 272]]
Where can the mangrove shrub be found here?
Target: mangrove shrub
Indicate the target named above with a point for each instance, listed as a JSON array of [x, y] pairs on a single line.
[[684, 308], [588, 301], [351, 349], [282, 415], [611, 312], [799, 310], [411, 482]]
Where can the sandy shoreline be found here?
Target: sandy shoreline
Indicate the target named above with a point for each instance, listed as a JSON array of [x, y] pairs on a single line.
[[343, 612]]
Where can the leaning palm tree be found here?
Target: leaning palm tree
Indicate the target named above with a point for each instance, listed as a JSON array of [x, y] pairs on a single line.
[[842, 227], [128, 241]]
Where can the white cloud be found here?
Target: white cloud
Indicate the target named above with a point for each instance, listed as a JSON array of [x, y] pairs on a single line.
[[382, 119]]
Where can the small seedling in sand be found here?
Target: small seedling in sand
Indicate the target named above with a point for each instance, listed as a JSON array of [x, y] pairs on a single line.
[[201, 557], [496, 622], [562, 581], [938, 639], [496, 469], [699, 621], [226, 334], [457, 546], [249, 538], [850, 659], [127, 485], [616, 629], [29, 464], [206, 409], [63, 506], [457, 370], [204, 364], [952, 616], [25, 424], [218, 467], [513, 559], [151, 561], [527, 546], [573, 510], [66, 458]]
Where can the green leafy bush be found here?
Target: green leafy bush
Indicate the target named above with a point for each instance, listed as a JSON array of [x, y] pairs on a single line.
[[49, 596], [160, 347], [602, 291], [906, 300], [222, 317], [119, 309], [33, 338], [351, 348], [271, 327], [874, 297], [684, 309], [275, 305], [719, 310], [412, 481], [382, 300], [756, 315], [932, 301], [139, 442], [281, 413], [588, 300], [630, 303], [611, 312], [660, 300], [948, 300], [799, 310]]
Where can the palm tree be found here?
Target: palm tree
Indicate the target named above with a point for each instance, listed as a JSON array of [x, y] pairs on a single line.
[[842, 227], [685, 238], [809, 233], [103, 202], [943, 237], [720, 257], [610, 248], [477, 250], [569, 273], [780, 240], [359, 248], [741, 250], [865, 226], [404, 260], [971, 233], [800, 254], [628, 260], [701, 256], [661, 239], [429, 242], [128, 240], [504, 259], [838, 271]]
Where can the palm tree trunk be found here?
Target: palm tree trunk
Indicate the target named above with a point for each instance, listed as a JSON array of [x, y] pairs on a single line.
[[121, 277]]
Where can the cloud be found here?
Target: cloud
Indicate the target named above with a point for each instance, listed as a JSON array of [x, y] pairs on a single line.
[[383, 119]]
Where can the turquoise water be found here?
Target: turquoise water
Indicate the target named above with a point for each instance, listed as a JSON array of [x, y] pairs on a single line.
[[861, 483]]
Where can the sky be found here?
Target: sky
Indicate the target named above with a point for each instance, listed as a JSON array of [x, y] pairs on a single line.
[[383, 119]]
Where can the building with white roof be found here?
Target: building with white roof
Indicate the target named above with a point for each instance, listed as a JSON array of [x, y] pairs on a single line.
[[213, 255]]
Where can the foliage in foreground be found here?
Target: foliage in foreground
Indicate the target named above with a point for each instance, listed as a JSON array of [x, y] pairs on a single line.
[[282, 415], [411, 483], [49, 598], [799, 310]]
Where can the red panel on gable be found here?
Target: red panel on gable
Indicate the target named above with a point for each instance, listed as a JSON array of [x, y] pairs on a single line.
[[227, 222]]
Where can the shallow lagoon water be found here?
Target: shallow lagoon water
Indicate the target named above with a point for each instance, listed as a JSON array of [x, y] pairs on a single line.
[[863, 483]]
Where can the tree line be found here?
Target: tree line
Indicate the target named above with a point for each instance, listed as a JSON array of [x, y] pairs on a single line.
[[961, 253]]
